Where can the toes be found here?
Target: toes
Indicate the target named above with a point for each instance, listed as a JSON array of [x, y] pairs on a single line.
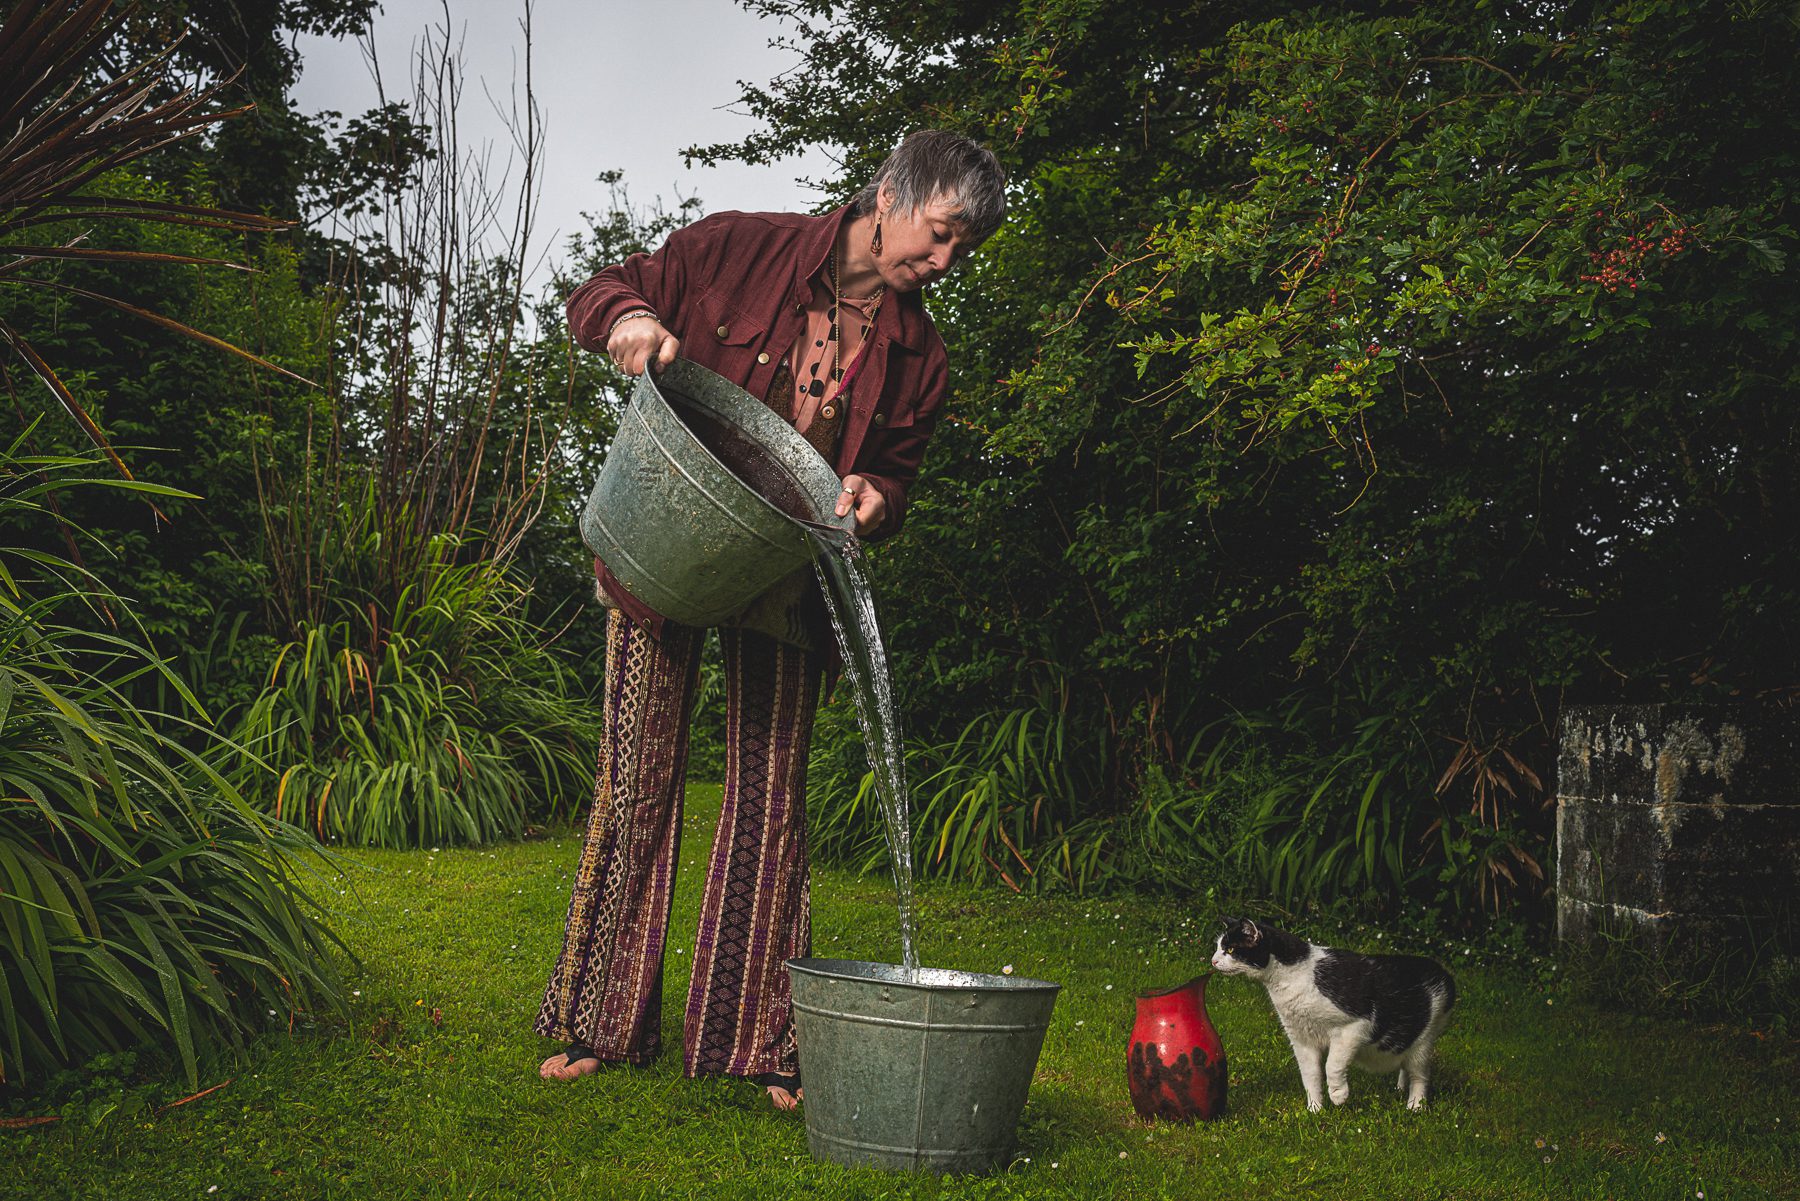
[[558, 1067], [784, 1100]]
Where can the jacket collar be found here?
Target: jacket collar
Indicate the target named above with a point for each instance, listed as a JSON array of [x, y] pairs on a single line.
[[903, 322]]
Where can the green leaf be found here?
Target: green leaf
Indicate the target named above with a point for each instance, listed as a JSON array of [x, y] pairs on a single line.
[[1773, 257]]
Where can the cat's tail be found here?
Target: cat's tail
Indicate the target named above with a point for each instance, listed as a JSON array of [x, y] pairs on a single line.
[[1445, 986]]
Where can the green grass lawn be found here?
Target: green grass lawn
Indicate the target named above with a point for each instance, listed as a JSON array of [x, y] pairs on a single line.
[[434, 1093]]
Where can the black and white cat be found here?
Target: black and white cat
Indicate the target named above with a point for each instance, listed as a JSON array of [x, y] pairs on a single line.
[[1380, 1012]]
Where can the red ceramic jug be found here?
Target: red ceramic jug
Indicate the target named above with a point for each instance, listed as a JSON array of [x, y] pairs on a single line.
[[1176, 1065]]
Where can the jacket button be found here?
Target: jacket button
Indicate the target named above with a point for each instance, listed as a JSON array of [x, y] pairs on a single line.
[[828, 412], [762, 358], [799, 308], [724, 331], [881, 419]]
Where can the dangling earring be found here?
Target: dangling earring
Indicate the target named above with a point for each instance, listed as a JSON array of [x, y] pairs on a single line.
[[875, 242]]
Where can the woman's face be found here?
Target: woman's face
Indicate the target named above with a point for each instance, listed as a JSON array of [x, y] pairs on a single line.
[[919, 247]]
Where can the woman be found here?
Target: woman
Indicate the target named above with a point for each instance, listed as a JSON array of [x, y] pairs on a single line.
[[821, 317]]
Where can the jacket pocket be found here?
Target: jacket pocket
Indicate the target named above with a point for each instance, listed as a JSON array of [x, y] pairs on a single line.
[[895, 410], [721, 336]]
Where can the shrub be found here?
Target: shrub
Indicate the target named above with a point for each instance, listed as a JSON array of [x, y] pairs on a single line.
[[1314, 801], [141, 900], [434, 713]]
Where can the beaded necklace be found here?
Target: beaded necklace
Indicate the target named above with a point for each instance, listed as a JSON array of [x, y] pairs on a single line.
[[834, 315]]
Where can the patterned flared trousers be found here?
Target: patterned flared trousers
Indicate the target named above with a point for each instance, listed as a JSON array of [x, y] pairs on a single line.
[[606, 988]]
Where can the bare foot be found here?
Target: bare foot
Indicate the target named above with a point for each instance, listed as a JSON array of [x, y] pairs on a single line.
[[784, 1089], [571, 1064]]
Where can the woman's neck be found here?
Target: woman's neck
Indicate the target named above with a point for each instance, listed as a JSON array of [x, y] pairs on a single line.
[[857, 275]]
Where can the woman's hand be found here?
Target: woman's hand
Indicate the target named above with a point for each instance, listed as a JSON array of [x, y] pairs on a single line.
[[641, 341], [865, 499]]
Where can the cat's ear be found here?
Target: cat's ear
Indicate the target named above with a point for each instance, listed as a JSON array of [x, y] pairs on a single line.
[[1251, 931]]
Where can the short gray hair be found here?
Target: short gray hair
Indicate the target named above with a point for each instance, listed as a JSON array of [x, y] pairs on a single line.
[[931, 163]]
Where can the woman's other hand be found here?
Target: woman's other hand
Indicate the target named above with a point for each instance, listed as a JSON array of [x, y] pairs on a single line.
[[640, 341], [866, 500]]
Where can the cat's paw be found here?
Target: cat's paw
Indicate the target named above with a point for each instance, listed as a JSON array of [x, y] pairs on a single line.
[[1314, 1105], [1340, 1093]]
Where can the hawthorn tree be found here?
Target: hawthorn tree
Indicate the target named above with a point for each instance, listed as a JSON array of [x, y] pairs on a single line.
[[1423, 359]]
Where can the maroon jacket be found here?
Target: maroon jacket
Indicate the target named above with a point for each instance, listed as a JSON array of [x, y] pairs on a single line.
[[733, 287]]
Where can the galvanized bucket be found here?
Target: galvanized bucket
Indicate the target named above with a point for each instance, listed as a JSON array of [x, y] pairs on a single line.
[[923, 1070], [705, 497]]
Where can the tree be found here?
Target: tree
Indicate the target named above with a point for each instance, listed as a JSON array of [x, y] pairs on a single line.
[[1435, 360], [265, 162], [92, 291]]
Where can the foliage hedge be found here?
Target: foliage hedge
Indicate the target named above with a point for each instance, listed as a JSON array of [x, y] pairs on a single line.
[[1449, 349]]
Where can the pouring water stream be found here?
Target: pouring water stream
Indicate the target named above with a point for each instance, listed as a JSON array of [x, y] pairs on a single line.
[[852, 607]]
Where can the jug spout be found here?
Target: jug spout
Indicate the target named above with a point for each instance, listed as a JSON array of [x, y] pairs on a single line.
[[1175, 1065]]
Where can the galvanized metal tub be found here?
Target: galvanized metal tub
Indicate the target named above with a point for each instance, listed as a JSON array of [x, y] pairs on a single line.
[[923, 1070], [703, 500]]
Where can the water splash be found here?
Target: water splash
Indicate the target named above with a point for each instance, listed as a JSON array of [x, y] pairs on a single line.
[[852, 607]]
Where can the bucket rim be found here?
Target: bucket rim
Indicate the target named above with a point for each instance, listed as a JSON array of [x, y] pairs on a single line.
[[675, 400], [958, 981], [823, 522]]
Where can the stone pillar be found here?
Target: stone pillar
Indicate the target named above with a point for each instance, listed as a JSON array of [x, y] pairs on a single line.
[[1678, 826]]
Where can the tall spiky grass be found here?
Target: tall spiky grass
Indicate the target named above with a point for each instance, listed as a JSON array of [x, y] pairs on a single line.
[[1293, 806], [987, 805], [438, 716], [141, 898], [438, 425], [1317, 799]]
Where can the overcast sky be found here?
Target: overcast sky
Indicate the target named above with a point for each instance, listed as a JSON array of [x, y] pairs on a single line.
[[621, 83]]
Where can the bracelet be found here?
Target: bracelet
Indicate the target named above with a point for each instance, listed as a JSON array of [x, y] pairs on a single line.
[[627, 317]]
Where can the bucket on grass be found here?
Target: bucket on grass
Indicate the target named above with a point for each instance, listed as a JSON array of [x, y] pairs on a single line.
[[915, 1070]]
